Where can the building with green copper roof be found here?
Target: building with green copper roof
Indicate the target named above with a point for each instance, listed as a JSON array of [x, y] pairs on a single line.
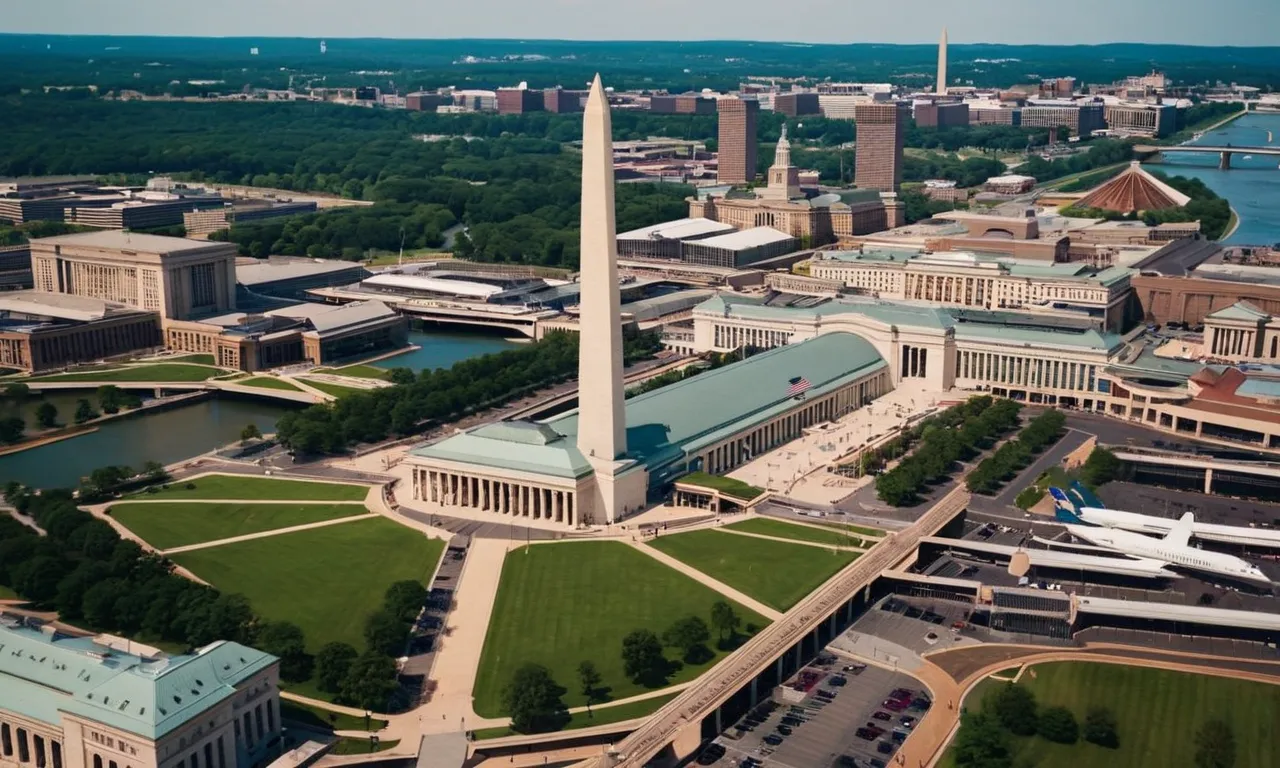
[[105, 701]]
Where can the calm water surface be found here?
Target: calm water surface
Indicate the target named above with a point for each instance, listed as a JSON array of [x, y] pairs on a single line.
[[443, 349]]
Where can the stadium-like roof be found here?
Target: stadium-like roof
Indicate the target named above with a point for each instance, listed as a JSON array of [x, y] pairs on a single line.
[[1133, 190]]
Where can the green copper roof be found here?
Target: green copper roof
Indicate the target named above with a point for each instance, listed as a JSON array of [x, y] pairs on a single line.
[[890, 313], [667, 424], [1042, 336], [514, 445], [42, 675], [1241, 310]]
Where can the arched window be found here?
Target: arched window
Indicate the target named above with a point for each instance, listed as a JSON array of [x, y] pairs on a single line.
[[97, 761]]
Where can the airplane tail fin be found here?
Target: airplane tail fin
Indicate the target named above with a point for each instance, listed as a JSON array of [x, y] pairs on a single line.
[[1180, 534], [1065, 508], [1087, 497]]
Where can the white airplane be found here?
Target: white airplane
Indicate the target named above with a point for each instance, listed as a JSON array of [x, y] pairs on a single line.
[[1079, 510], [1172, 549]]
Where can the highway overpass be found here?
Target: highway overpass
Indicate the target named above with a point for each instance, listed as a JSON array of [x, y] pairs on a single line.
[[748, 675]]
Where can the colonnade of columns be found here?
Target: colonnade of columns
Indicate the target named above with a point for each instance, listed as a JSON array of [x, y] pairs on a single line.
[[456, 489], [914, 362], [1234, 342], [742, 449]]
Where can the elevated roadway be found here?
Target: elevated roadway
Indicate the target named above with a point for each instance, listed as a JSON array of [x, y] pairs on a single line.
[[1224, 153], [774, 652]]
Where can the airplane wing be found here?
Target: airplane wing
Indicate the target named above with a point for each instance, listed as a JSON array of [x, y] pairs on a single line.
[[1180, 534]]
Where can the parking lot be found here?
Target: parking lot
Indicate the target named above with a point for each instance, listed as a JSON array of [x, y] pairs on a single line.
[[819, 724]]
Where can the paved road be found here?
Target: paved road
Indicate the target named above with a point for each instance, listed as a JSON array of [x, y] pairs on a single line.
[[1002, 503]]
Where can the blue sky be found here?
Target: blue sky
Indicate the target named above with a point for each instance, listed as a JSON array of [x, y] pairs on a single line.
[[1201, 22]]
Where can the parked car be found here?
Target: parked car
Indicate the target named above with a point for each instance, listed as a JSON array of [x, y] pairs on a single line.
[[883, 716], [785, 730], [886, 747], [907, 721], [893, 705], [838, 681], [867, 733], [921, 703], [773, 739]]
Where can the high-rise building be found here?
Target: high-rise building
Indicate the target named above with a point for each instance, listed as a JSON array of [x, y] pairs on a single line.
[[796, 104], [942, 64], [878, 157], [941, 114], [560, 100], [738, 143], [516, 101]]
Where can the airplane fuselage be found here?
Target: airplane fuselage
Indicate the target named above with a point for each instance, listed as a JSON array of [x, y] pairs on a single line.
[[1190, 558]]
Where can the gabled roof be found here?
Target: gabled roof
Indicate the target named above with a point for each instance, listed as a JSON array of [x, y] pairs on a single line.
[[1241, 310], [1133, 190], [43, 674]]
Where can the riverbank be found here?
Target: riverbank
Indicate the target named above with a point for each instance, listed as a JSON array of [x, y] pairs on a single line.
[[1198, 133], [68, 431]]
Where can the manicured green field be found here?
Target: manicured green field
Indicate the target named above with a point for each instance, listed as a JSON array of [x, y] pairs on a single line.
[[179, 523], [1158, 714], [726, 485], [363, 371], [233, 487], [324, 720], [266, 382], [194, 359], [157, 372], [784, 530], [865, 531], [348, 745], [328, 581], [775, 573], [561, 604], [336, 390], [598, 716]]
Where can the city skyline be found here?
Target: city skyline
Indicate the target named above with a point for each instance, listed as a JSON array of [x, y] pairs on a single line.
[[1000, 22]]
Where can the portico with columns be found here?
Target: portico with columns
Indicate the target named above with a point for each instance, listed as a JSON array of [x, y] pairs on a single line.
[[513, 495]]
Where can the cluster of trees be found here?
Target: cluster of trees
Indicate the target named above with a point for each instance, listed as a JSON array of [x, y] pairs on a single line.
[[368, 680], [1101, 152], [918, 207], [970, 172], [956, 434], [1100, 468], [12, 426], [1004, 138], [1043, 431], [346, 233], [534, 699], [984, 737], [439, 395]]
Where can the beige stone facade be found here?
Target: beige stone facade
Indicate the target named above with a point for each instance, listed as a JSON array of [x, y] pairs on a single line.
[[176, 278]]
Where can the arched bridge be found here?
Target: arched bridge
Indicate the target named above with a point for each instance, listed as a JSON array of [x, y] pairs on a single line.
[[1224, 153]]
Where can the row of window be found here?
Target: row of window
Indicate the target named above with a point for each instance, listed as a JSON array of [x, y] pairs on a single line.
[[1026, 371], [30, 748]]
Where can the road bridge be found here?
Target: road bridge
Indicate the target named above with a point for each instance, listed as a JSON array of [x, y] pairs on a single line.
[[779, 650], [1224, 153]]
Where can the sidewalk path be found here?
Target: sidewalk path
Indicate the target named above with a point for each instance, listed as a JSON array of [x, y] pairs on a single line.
[[266, 534], [782, 540], [740, 597], [234, 501]]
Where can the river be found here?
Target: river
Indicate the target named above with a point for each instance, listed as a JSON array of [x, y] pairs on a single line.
[[1252, 186], [180, 433]]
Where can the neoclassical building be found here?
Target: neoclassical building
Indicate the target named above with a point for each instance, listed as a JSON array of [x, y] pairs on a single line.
[[960, 279], [106, 702], [784, 206]]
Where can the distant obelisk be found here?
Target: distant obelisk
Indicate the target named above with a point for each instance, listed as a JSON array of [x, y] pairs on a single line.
[[601, 419], [942, 64]]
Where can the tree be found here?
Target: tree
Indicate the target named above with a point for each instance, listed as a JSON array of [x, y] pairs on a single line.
[[725, 619], [110, 398], [1100, 728], [100, 600], [370, 681], [690, 635], [84, 411], [332, 663], [533, 700], [981, 742], [589, 682], [17, 390], [285, 639], [1215, 745], [1014, 706], [11, 429], [642, 658], [47, 415], [405, 599], [386, 633], [1059, 725], [154, 471], [250, 432]]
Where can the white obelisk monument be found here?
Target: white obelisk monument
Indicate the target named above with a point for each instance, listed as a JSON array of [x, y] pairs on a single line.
[[942, 64]]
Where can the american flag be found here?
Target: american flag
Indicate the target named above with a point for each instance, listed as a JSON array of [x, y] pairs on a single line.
[[798, 386]]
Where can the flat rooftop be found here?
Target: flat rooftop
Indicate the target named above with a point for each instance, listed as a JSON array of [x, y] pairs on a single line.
[[276, 270], [117, 239], [61, 306]]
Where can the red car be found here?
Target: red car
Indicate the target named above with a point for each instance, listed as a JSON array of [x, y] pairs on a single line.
[[894, 705]]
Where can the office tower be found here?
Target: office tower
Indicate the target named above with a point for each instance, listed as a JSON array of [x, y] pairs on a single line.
[[878, 158], [737, 140]]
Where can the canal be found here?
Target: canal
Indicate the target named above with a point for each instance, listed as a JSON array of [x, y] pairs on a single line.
[[1251, 185], [180, 433]]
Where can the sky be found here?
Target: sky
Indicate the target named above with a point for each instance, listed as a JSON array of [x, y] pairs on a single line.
[[1198, 22]]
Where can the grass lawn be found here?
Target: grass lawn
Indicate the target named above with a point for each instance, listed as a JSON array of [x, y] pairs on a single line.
[[179, 523], [336, 390], [1158, 714], [561, 604], [194, 359], [726, 485], [8, 594], [364, 372], [784, 530], [605, 716], [349, 746], [266, 382], [772, 572], [260, 488], [156, 372], [324, 720], [328, 581]]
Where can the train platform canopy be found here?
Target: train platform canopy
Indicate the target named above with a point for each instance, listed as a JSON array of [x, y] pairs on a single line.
[[1194, 614], [1067, 561]]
